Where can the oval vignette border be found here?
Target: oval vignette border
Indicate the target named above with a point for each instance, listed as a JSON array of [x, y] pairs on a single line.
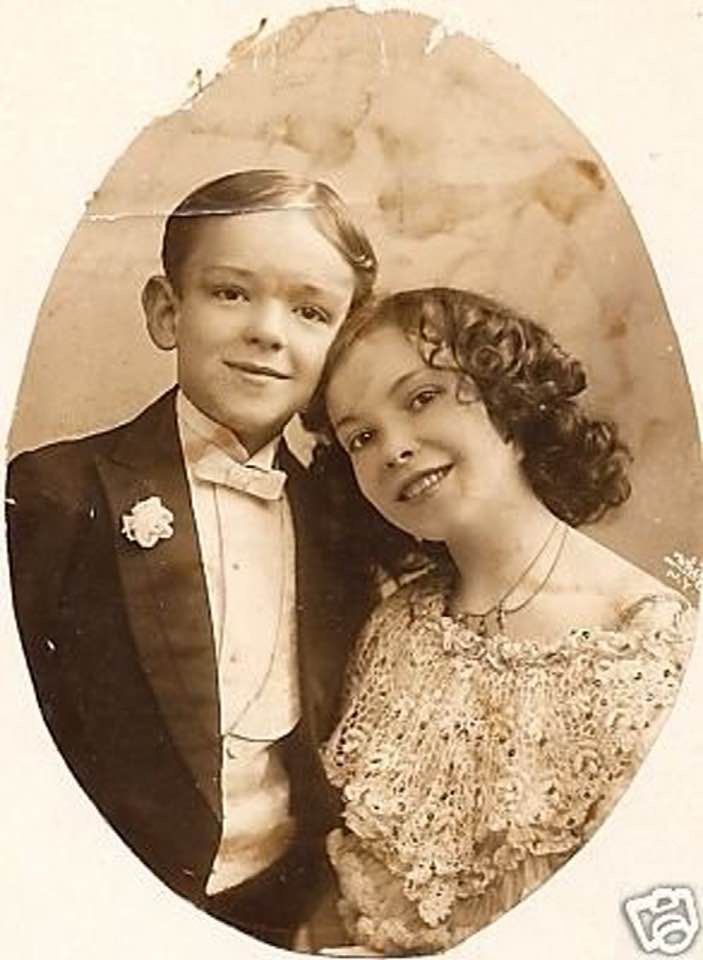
[[551, 882]]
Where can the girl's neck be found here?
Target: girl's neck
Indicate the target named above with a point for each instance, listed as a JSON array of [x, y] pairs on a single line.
[[492, 552]]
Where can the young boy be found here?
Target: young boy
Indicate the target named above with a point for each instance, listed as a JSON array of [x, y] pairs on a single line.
[[184, 628]]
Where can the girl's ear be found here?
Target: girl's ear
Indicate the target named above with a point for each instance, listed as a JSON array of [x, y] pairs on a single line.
[[161, 306], [517, 450], [508, 438]]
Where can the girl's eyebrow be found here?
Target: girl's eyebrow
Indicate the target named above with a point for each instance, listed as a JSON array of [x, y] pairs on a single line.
[[394, 388], [345, 421], [403, 379]]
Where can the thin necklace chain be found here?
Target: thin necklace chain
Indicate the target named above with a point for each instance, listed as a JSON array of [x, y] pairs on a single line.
[[540, 586], [499, 608]]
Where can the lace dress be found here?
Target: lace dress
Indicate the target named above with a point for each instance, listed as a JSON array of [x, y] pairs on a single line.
[[472, 768]]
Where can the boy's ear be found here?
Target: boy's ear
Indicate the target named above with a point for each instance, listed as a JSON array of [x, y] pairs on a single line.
[[161, 306]]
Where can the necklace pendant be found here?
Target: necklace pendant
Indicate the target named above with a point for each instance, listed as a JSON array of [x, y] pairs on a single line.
[[499, 612]]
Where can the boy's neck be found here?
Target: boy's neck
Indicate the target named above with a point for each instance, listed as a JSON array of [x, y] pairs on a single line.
[[212, 431]]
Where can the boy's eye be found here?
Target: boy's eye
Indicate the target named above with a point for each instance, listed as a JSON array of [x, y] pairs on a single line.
[[230, 294], [316, 314], [424, 397], [359, 440]]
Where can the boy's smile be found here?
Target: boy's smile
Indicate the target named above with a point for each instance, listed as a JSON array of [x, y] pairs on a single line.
[[257, 372], [260, 299]]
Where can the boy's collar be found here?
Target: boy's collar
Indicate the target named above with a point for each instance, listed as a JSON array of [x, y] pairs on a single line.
[[210, 432]]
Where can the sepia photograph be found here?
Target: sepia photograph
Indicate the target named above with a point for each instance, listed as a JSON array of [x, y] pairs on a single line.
[[353, 511]]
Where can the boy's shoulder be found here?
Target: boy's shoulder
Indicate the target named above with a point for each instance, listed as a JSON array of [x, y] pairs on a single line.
[[66, 465]]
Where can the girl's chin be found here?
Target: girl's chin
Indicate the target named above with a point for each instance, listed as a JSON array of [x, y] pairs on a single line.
[[419, 532], [428, 538], [422, 529]]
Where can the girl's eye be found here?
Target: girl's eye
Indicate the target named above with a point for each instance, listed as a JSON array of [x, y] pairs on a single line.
[[424, 397], [230, 294], [359, 440], [315, 314]]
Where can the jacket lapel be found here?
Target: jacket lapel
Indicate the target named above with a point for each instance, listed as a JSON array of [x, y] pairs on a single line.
[[164, 589], [321, 648]]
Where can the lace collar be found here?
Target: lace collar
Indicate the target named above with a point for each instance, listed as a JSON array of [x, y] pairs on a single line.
[[642, 625]]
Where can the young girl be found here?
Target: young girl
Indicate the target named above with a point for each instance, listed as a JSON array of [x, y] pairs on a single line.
[[497, 705]]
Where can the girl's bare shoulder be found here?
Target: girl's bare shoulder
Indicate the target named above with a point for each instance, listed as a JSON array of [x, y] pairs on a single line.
[[592, 568]]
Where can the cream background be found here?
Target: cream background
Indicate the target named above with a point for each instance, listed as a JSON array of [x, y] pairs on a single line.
[[463, 174], [79, 86]]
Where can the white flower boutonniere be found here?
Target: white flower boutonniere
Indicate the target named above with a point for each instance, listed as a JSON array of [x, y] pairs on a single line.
[[148, 522]]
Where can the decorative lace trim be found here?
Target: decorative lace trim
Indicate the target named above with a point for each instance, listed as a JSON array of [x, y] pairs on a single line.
[[462, 757]]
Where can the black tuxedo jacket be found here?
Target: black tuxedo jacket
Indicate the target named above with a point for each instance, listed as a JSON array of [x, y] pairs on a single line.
[[103, 622]]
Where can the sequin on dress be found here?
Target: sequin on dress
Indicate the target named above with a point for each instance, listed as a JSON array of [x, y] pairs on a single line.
[[471, 767]]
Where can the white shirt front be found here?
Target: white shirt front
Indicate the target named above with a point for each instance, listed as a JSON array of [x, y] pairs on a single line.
[[248, 552]]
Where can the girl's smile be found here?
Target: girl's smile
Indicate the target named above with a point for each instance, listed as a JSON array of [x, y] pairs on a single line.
[[423, 484], [428, 461]]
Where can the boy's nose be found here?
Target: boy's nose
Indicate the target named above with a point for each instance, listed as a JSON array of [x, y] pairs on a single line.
[[266, 325]]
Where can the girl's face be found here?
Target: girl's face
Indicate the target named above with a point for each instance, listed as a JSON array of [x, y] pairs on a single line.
[[428, 462]]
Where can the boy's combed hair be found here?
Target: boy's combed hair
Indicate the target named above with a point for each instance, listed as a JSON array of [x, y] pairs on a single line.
[[255, 191], [575, 464]]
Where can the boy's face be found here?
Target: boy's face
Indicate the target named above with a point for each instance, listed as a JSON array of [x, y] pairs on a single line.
[[261, 298]]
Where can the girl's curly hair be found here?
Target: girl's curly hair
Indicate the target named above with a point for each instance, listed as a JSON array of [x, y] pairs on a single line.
[[576, 465]]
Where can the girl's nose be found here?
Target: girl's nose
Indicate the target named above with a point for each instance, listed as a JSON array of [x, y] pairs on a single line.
[[399, 454]]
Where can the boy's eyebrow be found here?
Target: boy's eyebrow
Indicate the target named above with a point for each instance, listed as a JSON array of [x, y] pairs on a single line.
[[228, 268], [302, 288], [310, 289]]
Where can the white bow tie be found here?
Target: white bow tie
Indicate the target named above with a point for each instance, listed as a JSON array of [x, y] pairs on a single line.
[[216, 467]]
